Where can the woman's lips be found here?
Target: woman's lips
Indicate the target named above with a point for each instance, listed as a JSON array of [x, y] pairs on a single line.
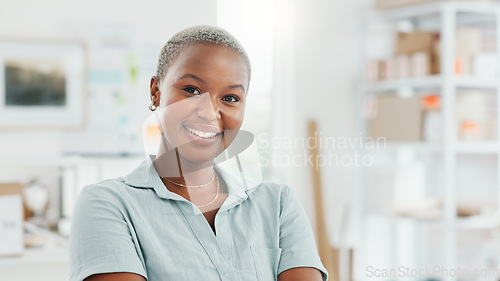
[[202, 133]]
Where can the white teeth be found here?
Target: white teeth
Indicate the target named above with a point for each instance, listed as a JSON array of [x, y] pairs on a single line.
[[205, 135]]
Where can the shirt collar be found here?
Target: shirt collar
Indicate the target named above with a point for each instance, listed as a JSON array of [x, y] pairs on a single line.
[[145, 176]]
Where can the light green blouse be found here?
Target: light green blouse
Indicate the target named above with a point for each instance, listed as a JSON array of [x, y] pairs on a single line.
[[135, 224]]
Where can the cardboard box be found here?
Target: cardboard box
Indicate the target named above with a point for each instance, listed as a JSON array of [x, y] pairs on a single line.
[[11, 219], [397, 118], [424, 43], [417, 41], [436, 59], [389, 4]]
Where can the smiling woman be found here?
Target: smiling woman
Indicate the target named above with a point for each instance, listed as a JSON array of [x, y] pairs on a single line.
[[179, 216], [204, 92]]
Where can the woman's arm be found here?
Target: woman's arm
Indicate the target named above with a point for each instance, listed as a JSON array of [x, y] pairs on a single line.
[[117, 276], [300, 274], [101, 238], [299, 257]]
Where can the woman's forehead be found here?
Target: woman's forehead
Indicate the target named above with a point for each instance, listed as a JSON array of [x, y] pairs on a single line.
[[205, 61], [208, 53]]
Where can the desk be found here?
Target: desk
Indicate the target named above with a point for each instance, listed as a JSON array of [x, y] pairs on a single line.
[[36, 264]]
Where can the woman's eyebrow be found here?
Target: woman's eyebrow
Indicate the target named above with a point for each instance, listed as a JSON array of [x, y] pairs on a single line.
[[193, 77], [236, 86]]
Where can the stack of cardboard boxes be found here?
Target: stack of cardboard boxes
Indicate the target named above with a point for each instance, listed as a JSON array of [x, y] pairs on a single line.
[[421, 49], [417, 54]]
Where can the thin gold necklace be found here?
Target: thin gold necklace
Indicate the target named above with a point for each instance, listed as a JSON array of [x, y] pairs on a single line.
[[190, 186], [215, 198]]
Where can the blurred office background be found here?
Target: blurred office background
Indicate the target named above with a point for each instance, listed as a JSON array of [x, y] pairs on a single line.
[[403, 93]]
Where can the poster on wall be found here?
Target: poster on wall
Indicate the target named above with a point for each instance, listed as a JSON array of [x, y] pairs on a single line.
[[42, 84]]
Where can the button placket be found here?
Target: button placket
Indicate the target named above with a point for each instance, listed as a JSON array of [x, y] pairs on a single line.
[[224, 235], [208, 240]]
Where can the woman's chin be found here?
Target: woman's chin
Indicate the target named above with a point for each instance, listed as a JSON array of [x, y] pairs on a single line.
[[198, 155]]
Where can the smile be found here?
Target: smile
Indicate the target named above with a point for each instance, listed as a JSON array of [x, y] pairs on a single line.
[[201, 134]]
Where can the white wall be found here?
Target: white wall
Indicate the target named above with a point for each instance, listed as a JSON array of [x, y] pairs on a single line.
[[318, 62], [144, 25], [155, 19]]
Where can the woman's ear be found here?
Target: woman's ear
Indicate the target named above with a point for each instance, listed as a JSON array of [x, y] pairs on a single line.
[[154, 89]]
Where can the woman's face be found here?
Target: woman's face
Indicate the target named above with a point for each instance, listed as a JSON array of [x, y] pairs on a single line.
[[202, 100]]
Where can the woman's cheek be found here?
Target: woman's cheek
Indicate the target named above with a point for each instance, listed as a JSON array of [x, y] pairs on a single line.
[[234, 118], [180, 107], [232, 124]]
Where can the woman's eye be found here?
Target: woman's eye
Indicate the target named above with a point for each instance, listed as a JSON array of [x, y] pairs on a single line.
[[192, 90], [230, 99]]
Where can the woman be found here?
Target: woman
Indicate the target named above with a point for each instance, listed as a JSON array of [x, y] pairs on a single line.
[[178, 216]]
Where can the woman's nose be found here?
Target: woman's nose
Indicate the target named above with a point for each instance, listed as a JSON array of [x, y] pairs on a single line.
[[208, 108]]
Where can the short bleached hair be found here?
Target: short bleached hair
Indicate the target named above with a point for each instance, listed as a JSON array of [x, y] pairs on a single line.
[[200, 34]]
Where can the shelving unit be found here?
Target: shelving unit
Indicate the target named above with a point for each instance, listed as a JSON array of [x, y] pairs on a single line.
[[431, 82], [474, 222], [478, 147], [447, 84]]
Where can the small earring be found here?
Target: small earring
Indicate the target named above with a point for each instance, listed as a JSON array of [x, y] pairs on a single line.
[[152, 107]]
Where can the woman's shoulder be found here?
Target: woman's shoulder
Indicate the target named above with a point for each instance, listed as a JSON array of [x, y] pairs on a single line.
[[106, 185], [273, 186], [271, 190], [109, 189]]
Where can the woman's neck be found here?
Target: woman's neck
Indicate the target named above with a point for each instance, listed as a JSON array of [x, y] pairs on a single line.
[[169, 164]]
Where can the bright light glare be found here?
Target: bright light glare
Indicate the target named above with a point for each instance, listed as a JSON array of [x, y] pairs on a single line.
[[251, 22]]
